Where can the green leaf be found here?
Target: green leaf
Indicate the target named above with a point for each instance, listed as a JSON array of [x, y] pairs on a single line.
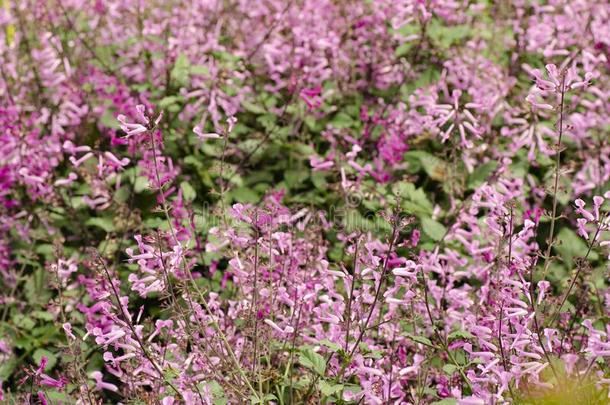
[[181, 70], [51, 358], [445, 401], [199, 70], [121, 195], [244, 195], [36, 286], [263, 400], [449, 368], [45, 249], [101, 222], [329, 389], [460, 334], [109, 120], [445, 36], [253, 107], [342, 120], [218, 393], [414, 200], [312, 360], [481, 174], [435, 168], [403, 49], [43, 315], [188, 192], [419, 339], [331, 345], [569, 245], [408, 30], [165, 102], [23, 322], [319, 180], [141, 184], [294, 178], [7, 366], [432, 228]]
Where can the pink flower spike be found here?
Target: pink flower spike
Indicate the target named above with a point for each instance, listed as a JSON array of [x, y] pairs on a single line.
[[159, 118], [42, 365], [580, 223], [231, 121], [67, 327], [202, 135], [580, 209], [122, 162], [83, 159], [141, 109], [129, 128], [543, 106], [67, 181], [553, 73], [277, 328], [100, 384], [52, 382]]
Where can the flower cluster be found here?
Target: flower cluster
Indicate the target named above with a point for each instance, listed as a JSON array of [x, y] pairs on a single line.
[[312, 201]]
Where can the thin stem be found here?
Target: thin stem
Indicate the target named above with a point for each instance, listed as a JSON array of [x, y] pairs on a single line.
[[578, 271], [351, 296], [363, 330], [547, 255], [255, 368], [191, 279], [127, 321], [440, 339]]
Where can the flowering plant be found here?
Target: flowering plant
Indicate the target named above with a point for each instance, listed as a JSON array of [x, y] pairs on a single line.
[[314, 201]]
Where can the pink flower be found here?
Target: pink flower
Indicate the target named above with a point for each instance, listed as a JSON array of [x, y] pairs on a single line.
[[101, 385], [202, 135]]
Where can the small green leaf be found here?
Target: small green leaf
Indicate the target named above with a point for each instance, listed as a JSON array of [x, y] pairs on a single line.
[[445, 401], [7, 366], [199, 70], [460, 334], [433, 166], [109, 120], [188, 192], [403, 49], [331, 345], [414, 200], [312, 360], [432, 228], [181, 70], [420, 339], [481, 174], [342, 120], [449, 368], [569, 245], [43, 315], [253, 107], [329, 389], [245, 195], [165, 102], [218, 393], [319, 180], [51, 358], [141, 184], [23, 322], [294, 178], [105, 223]]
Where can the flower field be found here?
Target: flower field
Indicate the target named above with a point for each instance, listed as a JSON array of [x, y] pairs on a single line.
[[304, 202]]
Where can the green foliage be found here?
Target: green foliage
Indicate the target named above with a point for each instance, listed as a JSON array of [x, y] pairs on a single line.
[[312, 360]]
